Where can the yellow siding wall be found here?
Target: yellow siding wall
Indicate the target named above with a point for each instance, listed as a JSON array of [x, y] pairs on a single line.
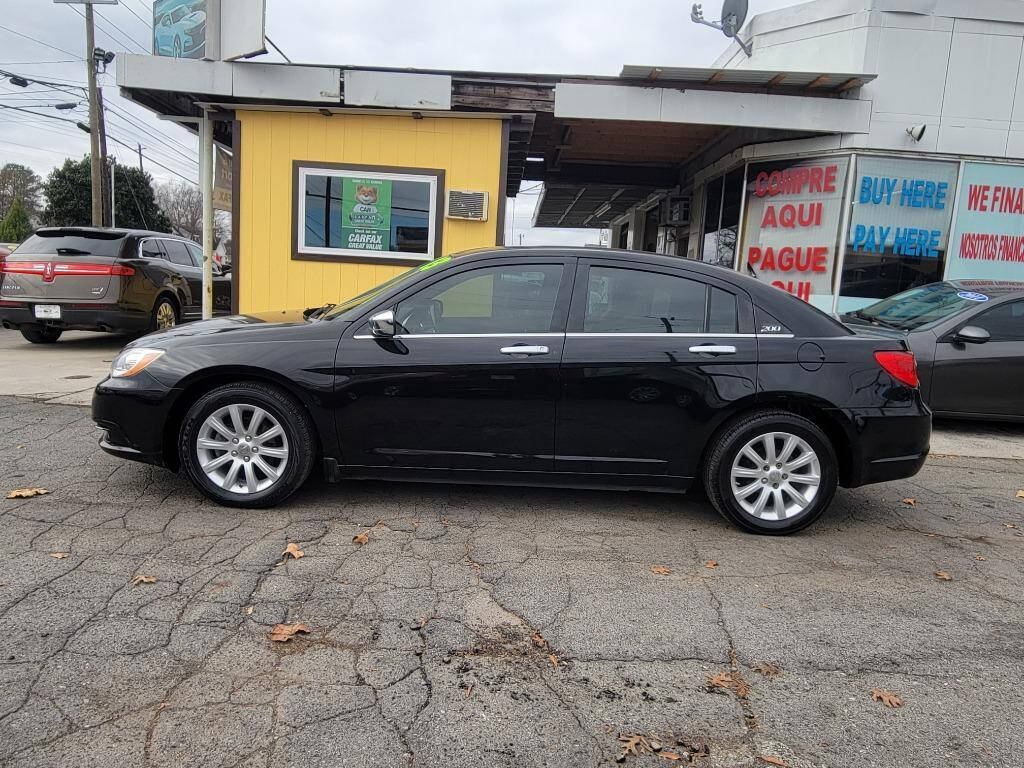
[[468, 150]]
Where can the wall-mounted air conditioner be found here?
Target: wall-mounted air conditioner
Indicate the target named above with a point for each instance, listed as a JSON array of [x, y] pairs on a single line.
[[464, 204]]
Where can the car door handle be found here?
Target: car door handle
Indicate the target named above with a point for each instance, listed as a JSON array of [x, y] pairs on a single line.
[[525, 350], [713, 349]]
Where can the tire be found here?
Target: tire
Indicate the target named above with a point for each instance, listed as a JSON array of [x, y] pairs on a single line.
[[810, 454], [41, 335], [164, 315], [297, 442]]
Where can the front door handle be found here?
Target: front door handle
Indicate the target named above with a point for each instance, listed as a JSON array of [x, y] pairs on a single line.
[[713, 349], [524, 350]]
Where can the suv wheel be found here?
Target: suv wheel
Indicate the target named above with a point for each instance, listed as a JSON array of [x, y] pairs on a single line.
[[165, 315], [247, 445], [771, 472], [41, 334]]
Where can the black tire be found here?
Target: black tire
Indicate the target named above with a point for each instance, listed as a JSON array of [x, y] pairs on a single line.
[[294, 420], [156, 321], [731, 439], [41, 335]]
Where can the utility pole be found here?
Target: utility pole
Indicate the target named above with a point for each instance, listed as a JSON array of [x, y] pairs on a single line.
[[95, 160], [140, 158], [113, 196], [206, 185]]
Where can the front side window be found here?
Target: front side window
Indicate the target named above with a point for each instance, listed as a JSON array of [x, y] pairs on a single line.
[[196, 253], [632, 301], [1003, 323], [505, 300], [178, 253], [353, 211]]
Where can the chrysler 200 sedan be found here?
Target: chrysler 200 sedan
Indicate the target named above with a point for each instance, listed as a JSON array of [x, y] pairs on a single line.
[[571, 367]]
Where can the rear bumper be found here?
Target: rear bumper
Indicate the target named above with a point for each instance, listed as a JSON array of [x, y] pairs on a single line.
[[76, 317], [886, 443]]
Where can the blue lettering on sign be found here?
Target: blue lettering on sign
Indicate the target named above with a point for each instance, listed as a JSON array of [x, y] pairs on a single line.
[[972, 296], [913, 193]]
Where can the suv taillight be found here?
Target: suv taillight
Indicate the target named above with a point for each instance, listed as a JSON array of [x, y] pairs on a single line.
[[65, 268], [900, 365]]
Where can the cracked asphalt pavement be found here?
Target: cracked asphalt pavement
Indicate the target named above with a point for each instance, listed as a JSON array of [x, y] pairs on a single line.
[[495, 626]]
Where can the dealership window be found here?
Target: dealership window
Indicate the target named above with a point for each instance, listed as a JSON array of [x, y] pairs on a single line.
[[346, 212], [791, 225], [633, 301], [722, 199], [899, 228]]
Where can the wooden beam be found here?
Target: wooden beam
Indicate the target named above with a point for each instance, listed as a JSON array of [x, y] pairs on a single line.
[[853, 82], [819, 80], [714, 78], [777, 79]]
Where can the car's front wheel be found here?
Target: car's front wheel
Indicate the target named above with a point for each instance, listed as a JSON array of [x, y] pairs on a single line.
[[771, 472], [247, 445], [41, 335]]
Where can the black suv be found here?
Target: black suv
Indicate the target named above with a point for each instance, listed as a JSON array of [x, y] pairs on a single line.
[[117, 280]]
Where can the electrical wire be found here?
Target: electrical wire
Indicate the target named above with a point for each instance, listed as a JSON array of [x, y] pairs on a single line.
[[133, 13], [34, 40], [120, 29], [102, 28], [131, 187]]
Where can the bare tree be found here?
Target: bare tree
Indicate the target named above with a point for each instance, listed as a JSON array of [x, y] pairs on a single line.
[[182, 203]]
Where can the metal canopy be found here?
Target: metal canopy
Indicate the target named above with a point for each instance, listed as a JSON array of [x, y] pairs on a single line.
[[750, 78]]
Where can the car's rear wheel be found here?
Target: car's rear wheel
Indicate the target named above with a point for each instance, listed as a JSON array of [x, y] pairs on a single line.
[[41, 335], [771, 472], [165, 314], [247, 444]]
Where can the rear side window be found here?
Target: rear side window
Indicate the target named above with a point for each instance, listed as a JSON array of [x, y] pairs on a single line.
[[196, 253], [69, 243], [178, 253], [151, 249], [632, 301], [1004, 323]]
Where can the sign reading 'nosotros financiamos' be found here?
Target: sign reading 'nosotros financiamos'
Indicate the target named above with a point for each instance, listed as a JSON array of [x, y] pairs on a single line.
[[989, 224]]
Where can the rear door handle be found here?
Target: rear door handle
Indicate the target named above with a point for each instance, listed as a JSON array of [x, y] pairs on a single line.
[[713, 349], [524, 350]]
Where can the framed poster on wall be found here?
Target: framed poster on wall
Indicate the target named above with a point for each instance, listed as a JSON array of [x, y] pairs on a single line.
[[345, 212]]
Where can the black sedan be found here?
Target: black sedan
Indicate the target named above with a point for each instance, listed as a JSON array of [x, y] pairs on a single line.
[[968, 337], [573, 367], [119, 280]]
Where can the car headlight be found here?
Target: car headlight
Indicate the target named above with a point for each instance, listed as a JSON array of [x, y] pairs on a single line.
[[131, 361]]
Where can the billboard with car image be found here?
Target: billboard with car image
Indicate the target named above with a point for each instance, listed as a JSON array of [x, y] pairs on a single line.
[[179, 28]]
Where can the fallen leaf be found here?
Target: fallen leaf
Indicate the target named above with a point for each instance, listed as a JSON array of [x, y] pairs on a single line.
[[633, 744], [721, 680], [26, 493], [361, 538], [667, 755], [538, 640], [661, 570], [943, 576], [1012, 526], [888, 698], [773, 761], [981, 557], [1020, 493], [909, 502], [768, 669], [282, 633], [293, 550], [58, 555], [140, 579], [554, 660], [248, 610], [469, 692], [711, 564]]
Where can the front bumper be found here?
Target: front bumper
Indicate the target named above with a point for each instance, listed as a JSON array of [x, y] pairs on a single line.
[[77, 317], [133, 415], [886, 443]]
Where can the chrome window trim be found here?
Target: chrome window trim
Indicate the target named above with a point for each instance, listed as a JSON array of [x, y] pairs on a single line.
[[581, 335]]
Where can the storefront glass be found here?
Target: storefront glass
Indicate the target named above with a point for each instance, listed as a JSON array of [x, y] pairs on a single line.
[[899, 228], [791, 225], [989, 241], [722, 198]]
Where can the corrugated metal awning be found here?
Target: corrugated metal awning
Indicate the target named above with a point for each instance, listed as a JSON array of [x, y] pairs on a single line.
[[753, 78]]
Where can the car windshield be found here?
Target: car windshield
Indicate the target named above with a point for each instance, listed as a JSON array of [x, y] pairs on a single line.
[[920, 307], [72, 243], [346, 309]]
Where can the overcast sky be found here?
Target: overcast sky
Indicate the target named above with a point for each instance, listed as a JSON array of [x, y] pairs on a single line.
[[564, 36]]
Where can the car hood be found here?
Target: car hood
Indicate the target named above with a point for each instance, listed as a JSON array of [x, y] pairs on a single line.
[[228, 328]]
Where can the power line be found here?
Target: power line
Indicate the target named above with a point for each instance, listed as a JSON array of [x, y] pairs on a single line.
[[121, 29], [34, 40], [34, 149], [59, 61], [133, 13], [106, 31]]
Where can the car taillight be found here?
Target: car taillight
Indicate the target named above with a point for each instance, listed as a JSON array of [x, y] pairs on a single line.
[[900, 365], [65, 268]]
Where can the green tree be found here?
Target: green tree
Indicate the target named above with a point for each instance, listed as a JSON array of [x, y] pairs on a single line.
[[18, 182], [68, 192], [15, 226]]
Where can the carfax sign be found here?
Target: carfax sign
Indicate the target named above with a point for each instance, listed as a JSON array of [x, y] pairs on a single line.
[[366, 214], [989, 240]]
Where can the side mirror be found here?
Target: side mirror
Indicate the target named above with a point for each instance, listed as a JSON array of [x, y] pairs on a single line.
[[972, 334], [382, 324]]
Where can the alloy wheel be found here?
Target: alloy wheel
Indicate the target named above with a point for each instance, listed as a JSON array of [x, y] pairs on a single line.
[[242, 448], [165, 317], [775, 476]]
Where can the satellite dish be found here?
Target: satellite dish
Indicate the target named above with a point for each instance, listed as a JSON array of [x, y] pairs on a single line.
[[734, 13]]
